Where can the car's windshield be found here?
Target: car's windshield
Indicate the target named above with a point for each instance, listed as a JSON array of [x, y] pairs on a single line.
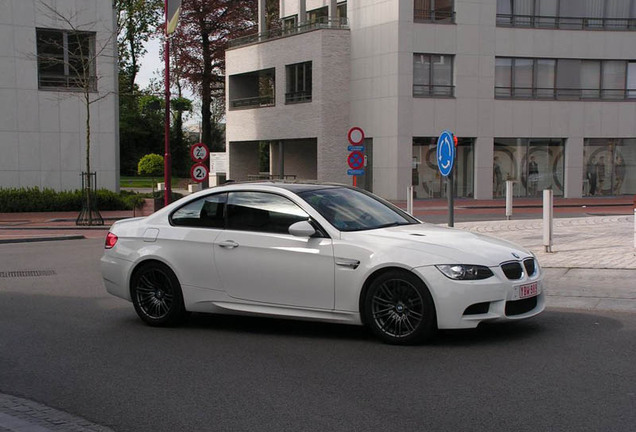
[[352, 210]]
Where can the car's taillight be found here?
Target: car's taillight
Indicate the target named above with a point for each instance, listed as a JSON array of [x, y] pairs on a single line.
[[111, 239]]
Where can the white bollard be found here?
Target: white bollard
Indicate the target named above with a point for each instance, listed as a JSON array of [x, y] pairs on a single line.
[[409, 200], [548, 216], [509, 191]]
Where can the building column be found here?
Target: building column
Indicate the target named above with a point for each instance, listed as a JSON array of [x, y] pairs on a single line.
[[573, 170], [302, 11], [484, 150], [333, 11], [262, 24]]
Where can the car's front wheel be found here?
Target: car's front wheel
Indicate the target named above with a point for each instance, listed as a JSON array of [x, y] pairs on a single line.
[[399, 309], [156, 295]]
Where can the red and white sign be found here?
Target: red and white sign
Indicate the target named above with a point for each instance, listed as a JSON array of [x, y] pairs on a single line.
[[199, 172], [199, 152], [356, 160], [355, 136]]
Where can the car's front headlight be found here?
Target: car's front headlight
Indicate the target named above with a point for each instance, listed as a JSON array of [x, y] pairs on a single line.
[[464, 271]]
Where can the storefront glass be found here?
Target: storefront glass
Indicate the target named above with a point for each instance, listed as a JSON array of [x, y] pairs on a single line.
[[533, 164], [610, 165], [428, 182]]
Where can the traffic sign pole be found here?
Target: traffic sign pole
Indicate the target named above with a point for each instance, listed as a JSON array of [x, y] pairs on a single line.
[[451, 200]]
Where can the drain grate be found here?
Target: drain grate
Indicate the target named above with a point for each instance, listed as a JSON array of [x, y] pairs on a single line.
[[26, 273]]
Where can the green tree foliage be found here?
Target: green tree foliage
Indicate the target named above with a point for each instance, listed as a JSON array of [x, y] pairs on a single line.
[[137, 21], [150, 165], [200, 40]]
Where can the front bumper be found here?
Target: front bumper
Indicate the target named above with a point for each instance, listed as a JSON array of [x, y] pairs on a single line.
[[464, 304]]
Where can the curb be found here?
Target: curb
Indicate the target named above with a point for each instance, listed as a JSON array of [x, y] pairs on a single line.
[[41, 239]]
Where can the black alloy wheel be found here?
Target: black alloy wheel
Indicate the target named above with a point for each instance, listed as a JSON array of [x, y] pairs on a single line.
[[399, 308], [156, 295]]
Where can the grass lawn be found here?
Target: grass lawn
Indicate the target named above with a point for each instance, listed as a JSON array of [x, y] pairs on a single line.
[[146, 182]]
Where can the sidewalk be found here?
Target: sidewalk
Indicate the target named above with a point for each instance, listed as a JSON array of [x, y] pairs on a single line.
[[592, 264]]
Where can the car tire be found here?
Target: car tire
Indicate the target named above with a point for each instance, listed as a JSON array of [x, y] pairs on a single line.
[[399, 309], [156, 295]]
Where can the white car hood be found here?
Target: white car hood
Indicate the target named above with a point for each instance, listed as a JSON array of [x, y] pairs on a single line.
[[448, 245]]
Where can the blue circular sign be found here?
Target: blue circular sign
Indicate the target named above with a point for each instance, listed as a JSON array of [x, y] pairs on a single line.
[[445, 153]]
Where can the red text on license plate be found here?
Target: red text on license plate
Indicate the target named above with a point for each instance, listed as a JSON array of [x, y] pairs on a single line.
[[529, 290]]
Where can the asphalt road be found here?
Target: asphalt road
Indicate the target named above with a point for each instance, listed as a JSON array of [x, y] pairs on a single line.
[[65, 343]]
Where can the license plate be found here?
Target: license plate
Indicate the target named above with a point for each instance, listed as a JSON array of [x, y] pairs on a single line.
[[529, 290]]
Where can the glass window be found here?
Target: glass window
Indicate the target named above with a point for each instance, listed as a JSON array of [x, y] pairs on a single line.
[[432, 75], [613, 80], [532, 164], [503, 77], [610, 166], [319, 15], [522, 76], [341, 12], [299, 82], [208, 212], [433, 10], [546, 74], [66, 59], [568, 79], [425, 173], [504, 12], [290, 24], [631, 80], [523, 11], [353, 210], [262, 212], [590, 79]]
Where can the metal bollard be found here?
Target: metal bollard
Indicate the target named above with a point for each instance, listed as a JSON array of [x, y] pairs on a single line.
[[409, 200], [509, 199], [548, 216]]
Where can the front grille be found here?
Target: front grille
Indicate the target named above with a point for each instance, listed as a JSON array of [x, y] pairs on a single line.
[[477, 309], [512, 270], [519, 307], [530, 266]]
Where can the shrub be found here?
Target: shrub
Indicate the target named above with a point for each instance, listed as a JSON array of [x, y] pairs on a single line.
[[150, 165], [34, 199]]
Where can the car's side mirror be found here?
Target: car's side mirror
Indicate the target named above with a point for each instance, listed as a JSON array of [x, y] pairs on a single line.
[[302, 229]]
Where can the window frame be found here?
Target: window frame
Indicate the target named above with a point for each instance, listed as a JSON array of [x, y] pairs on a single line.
[[432, 14], [431, 87], [295, 92], [68, 80]]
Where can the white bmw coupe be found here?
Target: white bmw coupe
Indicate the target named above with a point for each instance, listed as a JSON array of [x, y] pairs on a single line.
[[318, 252]]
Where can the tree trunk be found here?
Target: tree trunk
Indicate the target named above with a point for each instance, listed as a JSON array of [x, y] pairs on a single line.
[[206, 92]]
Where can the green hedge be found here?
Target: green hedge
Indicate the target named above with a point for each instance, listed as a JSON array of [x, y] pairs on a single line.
[[34, 199]]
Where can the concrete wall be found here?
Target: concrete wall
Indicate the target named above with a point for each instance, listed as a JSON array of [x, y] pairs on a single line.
[[42, 132]]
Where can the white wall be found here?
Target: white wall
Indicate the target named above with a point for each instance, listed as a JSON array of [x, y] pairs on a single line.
[[42, 132]]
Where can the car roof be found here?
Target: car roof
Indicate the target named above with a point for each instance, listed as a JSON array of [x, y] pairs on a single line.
[[292, 187]]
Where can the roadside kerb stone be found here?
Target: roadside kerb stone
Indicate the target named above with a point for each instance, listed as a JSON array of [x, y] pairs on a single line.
[[18, 414]]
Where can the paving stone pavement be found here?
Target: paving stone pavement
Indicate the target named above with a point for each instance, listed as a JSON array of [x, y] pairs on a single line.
[[22, 415]]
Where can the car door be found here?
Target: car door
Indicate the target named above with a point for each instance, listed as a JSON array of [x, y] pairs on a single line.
[[258, 260], [189, 243]]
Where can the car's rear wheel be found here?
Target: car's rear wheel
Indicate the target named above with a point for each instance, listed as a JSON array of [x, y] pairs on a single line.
[[156, 295], [399, 309]]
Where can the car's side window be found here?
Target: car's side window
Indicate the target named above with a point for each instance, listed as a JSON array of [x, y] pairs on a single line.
[[262, 212], [208, 212]]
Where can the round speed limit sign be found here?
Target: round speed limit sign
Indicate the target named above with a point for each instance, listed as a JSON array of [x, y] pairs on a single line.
[[199, 152], [199, 172]]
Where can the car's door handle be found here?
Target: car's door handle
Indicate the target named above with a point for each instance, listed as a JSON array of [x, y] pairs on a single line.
[[228, 244]]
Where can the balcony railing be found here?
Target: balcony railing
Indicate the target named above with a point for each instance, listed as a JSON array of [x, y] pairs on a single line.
[[67, 82], [296, 97], [566, 23], [275, 33], [564, 94], [253, 102], [433, 90], [433, 16]]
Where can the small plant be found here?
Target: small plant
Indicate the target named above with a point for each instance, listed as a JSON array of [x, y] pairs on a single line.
[[150, 165]]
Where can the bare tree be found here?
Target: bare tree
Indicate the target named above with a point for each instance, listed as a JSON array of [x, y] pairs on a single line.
[[68, 60]]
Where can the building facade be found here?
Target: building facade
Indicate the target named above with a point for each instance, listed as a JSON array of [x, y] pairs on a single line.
[[53, 54], [539, 92]]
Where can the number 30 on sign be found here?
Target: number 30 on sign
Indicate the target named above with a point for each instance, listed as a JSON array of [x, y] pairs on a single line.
[[199, 172]]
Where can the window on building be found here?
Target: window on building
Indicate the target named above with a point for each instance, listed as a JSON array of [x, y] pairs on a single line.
[[289, 24], [427, 181], [609, 166], [575, 79], [253, 89], [433, 75], [66, 59], [341, 13], [439, 11], [533, 164], [568, 14], [298, 83], [318, 16]]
